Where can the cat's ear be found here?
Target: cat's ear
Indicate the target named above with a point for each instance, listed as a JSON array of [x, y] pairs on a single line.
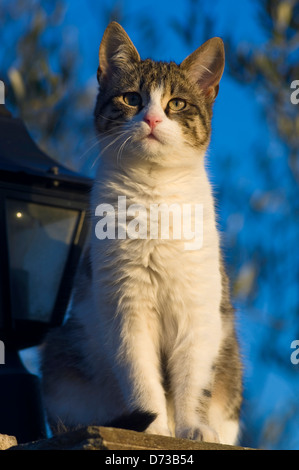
[[116, 51], [205, 66]]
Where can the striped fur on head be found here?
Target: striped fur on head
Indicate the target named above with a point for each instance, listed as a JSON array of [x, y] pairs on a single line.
[[195, 81]]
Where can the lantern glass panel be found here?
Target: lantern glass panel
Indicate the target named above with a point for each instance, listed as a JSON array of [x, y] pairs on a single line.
[[39, 238]]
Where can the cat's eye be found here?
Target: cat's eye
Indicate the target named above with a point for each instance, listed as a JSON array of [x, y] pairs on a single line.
[[132, 99], [177, 104]]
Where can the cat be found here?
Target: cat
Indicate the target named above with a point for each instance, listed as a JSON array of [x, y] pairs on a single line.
[[150, 331]]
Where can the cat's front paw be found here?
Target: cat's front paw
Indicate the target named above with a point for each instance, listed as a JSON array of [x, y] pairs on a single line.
[[158, 428], [198, 433]]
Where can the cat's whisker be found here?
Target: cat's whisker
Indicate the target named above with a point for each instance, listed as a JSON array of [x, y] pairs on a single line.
[[118, 137], [114, 135], [103, 150], [121, 149], [89, 149], [96, 160], [110, 134], [97, 141], [92, 139]]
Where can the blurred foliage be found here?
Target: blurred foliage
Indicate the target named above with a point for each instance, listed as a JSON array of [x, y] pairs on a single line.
[[194, 25], [272, 68], [39, 66], [268, 253]]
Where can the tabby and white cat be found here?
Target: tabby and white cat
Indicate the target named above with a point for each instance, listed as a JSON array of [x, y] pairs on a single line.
[[151, 328]]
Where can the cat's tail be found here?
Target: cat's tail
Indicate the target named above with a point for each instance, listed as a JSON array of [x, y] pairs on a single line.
[[136, 421]]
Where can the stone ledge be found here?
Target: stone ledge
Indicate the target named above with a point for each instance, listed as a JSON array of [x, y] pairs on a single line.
[[7, 441], [100, 438]]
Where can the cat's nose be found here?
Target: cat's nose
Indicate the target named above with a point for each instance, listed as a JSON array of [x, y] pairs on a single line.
[[152, 120]]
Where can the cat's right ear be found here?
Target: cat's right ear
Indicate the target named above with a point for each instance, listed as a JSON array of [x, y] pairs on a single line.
[[116, 51]]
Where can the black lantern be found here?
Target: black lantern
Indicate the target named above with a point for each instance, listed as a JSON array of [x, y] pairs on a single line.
[[43, 226]]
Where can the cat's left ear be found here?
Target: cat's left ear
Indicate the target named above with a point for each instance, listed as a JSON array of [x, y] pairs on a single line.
[[205, 66], [116, 51]]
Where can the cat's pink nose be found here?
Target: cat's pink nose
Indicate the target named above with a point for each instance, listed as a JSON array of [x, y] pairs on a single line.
[[152, 120]]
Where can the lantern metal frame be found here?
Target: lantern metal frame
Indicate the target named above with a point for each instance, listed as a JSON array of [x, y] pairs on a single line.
[[19, 333], [29, 175]]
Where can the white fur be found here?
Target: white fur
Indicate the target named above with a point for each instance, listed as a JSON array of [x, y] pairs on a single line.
[[149, 295]]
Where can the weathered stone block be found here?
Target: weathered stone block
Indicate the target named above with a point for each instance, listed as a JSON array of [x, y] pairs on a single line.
[[100, 438], [7, 441]]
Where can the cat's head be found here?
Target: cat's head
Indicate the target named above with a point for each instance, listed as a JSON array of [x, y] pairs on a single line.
[[154, 111]]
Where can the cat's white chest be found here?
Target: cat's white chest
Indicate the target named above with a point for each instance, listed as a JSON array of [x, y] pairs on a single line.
[[164, 267]]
